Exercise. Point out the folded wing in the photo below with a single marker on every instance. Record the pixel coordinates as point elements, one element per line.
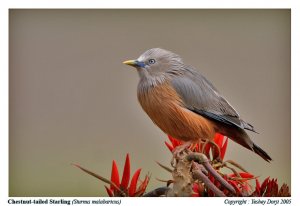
<point>201,97</point>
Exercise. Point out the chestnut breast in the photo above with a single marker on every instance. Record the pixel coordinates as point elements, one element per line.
<point>166,109</point>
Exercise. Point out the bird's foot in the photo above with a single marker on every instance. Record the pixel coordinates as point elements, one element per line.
<point>178,152</point>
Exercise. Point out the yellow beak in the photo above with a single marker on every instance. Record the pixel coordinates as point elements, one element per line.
<point>130,62</point>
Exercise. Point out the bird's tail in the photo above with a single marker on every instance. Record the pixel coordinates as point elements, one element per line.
<point>261,153</point>
<point>242,138</point>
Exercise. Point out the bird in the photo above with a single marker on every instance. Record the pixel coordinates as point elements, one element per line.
<point>184,104</point>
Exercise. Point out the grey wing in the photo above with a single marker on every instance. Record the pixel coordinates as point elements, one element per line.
<point>201,97</point>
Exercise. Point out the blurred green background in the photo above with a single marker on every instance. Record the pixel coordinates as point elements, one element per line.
<point>73,101</point>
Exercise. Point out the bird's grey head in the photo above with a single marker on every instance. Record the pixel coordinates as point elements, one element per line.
<point>155,63</point>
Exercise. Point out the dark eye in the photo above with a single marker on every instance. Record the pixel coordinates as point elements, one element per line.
<point>151,61</point>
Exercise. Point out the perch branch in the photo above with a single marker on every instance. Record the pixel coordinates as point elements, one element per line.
<point>202,159</point>
<point>158,192</point>
<point>197,174</point>
<point>164,167</point>
<point>236,165</point>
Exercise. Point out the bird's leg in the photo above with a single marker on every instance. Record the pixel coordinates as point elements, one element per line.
<point>178,150</point>
<point>201,145</point>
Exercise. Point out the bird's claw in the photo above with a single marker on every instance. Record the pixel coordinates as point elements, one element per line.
<point>178,153</point>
